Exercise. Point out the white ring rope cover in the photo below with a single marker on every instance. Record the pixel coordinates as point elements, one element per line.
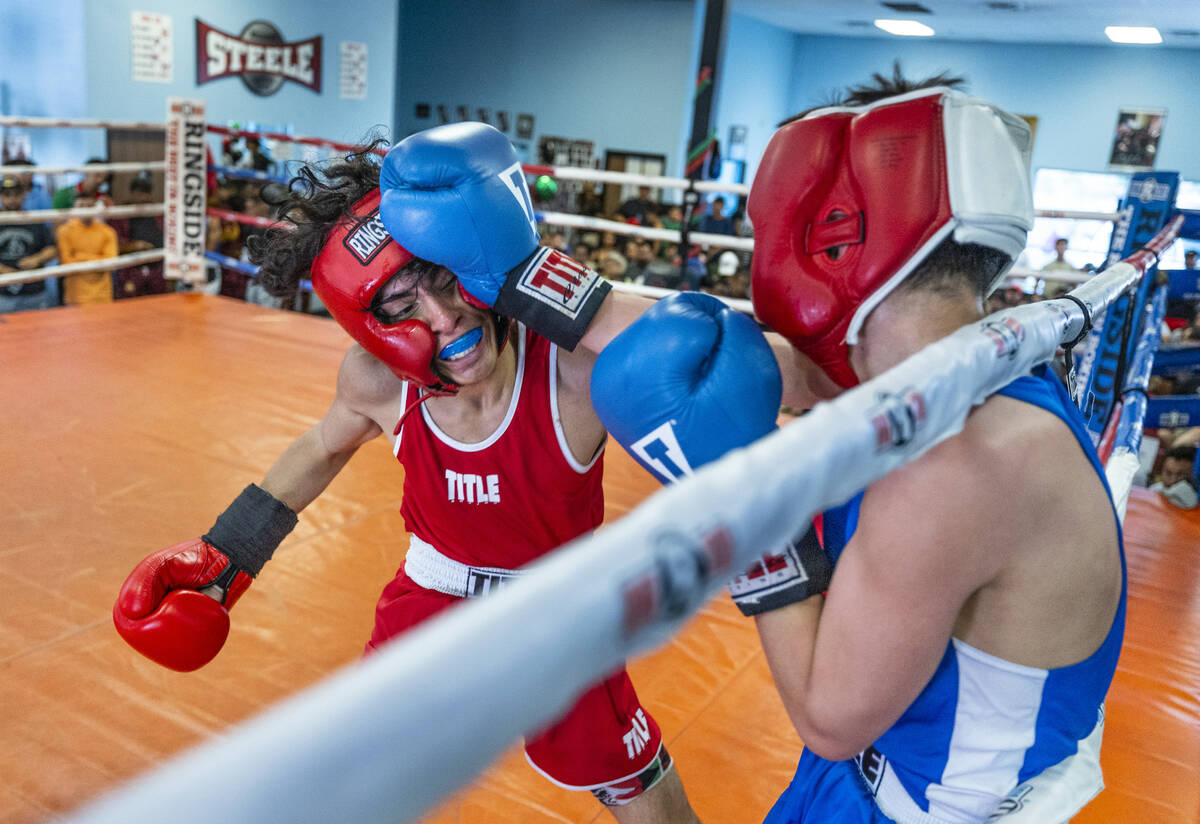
<point>330,753</point>
<point>60,215</point>
<point>106,264</point>
<point>124,166</point>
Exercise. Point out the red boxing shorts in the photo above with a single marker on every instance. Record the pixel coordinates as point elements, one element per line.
<point>607,743</point>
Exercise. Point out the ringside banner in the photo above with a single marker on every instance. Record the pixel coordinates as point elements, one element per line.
<point>186,193</point>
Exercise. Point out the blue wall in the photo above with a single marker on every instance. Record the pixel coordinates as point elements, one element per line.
<point>113,94</point>
<point>617,72</point>
<point>42,74</point>
<point>1075,91</point>
<point>756,84</point>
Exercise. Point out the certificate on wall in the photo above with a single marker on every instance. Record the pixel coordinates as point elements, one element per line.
<point>152,47</point>
<point>1135,140</point>
<point>352,70</point>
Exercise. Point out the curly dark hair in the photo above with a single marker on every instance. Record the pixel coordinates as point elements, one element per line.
<point>309,206</point>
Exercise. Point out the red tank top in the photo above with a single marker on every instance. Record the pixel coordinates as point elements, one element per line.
<point>506,500</point>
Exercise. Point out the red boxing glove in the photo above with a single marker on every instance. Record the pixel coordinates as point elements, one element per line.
<point>162,614</point>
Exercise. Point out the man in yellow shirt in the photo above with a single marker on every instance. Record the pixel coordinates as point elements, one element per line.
<point>84,239</point>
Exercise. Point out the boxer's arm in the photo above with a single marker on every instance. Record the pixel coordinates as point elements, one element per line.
<point>929,536</point>
<point>312,461</point>
<point>618,310</point>
<point>581,425</point>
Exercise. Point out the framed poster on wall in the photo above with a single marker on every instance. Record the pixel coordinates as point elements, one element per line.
<point>1135,139</point>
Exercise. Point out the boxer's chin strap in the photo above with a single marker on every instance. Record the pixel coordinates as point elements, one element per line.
<point>441,390</point>
<point>429,393</point>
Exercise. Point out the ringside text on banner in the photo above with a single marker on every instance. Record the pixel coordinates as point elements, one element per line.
<point>186,191</point>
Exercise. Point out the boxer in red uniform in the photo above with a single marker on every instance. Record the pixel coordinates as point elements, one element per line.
<point>502,454</point>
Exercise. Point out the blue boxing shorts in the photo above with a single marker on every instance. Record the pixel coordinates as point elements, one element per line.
<point>826,792</point>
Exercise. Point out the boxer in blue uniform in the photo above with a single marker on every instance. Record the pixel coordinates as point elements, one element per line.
<point>955,667</point>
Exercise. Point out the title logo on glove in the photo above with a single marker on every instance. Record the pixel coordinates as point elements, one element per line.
<point>558,281</point>
<point>259,56</point>
<point>659,450</point>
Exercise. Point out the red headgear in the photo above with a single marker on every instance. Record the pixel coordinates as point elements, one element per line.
<point>359,256</point>
<point>848,201</point>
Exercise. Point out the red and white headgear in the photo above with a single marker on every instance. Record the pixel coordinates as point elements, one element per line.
<point>849,200</point>
<point>359,256</point>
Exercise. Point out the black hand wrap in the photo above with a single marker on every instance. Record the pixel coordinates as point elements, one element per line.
<point>801,571</point>
<point>251,528</point>
<point>554,295</point>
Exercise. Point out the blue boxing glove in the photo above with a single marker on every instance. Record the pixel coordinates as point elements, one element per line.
<point>687,382</point>
<point>456,195</point>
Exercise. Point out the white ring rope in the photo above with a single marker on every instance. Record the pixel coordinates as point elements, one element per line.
<point>740,304</point>
<point>1058,275</point>
<point>77,123</point>
<point>673,235</point>
<point>1069,215</point>
<point>331,751</point>
<point>130,166</point>
<point>103,265</point>
<point>633,179</point>
<point>59,215</point>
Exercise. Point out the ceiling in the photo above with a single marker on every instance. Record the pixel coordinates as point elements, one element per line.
<point>1010,21</point>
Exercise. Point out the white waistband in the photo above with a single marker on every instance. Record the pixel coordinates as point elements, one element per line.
<point>433,570</point>
<point>1053,796</point>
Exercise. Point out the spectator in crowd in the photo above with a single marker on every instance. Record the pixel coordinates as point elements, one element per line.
<point>557,240</point>
<point>590,203</point>
<point>583,253</point>
<point>1014,295</point>
<point>1188,436</point>
<point>1189,259</point>
<point>139,234</point>
<point>1060,262</point>
<point>257,157</point>
<point>640,255</point>
<point>739,284</point>
<point>1176,479</point>
<point>634,210</point>
<point>83,239</point>
<point>608,243</point>
<point>23,247</point>
<point>673,219</point>
<point>613,266</point>
<point>1190,330</point>
<point>96,184</point>
<point>727,264</point>
<point>36,196</point>
<point>246,153</point>
<point>716,221</point>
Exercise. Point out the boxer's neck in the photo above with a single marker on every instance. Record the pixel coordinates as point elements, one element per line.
<point>905,323</point>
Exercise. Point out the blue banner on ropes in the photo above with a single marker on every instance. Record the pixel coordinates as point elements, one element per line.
<point>1176,358</point>
<point>1173,411</point>
<point>1133,411</point>
<point>1191,224</point>
<point>1184,284</point>
<point>1143,211</point>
